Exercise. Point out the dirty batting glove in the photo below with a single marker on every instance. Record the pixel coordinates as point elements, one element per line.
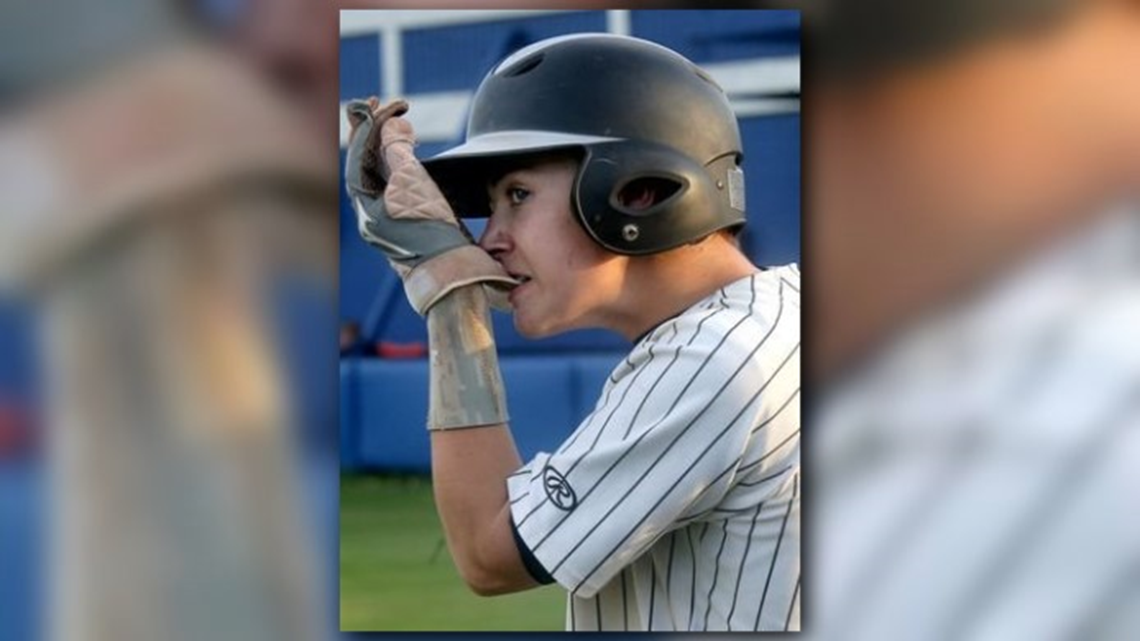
<point>400,210</point>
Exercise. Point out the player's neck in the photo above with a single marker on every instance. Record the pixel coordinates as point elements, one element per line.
<point>661,287</point>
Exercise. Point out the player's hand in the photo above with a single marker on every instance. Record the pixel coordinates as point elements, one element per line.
<point>401,210</point>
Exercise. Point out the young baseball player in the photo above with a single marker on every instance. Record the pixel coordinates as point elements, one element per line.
<point>609,168</point>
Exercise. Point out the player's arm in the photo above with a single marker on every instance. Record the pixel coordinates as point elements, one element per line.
<point>470,465</point>
<point>448,279</point>
<point>469,477</point>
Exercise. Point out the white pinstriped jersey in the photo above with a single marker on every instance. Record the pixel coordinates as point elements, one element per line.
<point>675,504</point>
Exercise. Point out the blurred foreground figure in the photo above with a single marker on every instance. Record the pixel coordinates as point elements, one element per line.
<point>976,309</point>
<point>158,200</point>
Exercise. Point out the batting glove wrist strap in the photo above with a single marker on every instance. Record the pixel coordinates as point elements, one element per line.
<point>466,386</point>
<point>400,210</point>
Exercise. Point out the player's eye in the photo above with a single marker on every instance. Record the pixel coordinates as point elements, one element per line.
<point>517,195</point>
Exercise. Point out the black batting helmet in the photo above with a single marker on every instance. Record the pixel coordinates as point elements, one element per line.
<point>634,110</point>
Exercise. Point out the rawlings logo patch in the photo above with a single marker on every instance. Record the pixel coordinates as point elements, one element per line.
<point>558,489</point>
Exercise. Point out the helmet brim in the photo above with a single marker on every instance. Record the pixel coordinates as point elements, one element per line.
<point>516,142</point>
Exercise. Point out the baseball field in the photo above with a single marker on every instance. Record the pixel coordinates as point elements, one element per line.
<point>396,575</point>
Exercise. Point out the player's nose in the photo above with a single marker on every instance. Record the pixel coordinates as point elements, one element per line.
<point>495,239</point>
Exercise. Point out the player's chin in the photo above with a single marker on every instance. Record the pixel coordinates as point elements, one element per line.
<point>531,330</point>
<point>532,325</point>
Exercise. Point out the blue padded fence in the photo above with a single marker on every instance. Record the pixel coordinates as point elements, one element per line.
<point>384,405</point>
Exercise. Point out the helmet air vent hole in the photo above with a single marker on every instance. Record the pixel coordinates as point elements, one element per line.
<point>630,232</point>
<point>703,75</point>
<point>523,66</point>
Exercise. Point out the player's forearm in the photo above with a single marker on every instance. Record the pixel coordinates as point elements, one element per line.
<point>469,470</point>
<point>472,449</point>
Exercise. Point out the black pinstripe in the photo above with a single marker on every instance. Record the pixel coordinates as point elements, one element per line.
<point>779,409</point>
<point>624,603</point>
<point>767,478</point>
<point>692,559</point>
<point>745,468</point>
<point>716,573</point>
<point>614,376</point>
<point>776,554</point>
<point>743,562</point>
<point>701,324</point>
<point>723,511</point>
<point>792,605</point>
<point>716,479</point>
<point>645,398</point>
<point>577,433</point>
<point>653,585</point>
<point>598,409</point>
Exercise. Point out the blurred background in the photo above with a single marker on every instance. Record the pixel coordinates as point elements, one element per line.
<point>169,434</point>
<point>168,463</point>
<point>972,253</point>
<point>435,59</point>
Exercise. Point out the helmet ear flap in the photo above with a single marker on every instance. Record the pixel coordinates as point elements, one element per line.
<point>688,204</point>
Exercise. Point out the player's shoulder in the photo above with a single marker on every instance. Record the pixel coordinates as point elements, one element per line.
<point>759,312</point>
<point>780,284</point>
<point>758,307</point>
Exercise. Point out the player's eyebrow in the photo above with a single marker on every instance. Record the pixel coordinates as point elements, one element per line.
<point>505,178</point>
<point>494,181</point>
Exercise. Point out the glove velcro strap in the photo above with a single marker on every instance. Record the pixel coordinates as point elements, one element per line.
<point>466,385</point>
<point>433,279</point>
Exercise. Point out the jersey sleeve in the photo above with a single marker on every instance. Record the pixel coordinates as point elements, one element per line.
<point>659,449</point>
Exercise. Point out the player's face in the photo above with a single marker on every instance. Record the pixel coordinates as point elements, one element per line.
<point>569,282</point>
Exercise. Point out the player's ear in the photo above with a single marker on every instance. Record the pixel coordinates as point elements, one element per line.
<point>644,193</point>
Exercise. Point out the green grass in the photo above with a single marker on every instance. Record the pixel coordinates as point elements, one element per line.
<point>396,574</point>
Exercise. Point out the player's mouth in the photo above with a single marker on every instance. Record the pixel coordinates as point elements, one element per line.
<point>522,280</point>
